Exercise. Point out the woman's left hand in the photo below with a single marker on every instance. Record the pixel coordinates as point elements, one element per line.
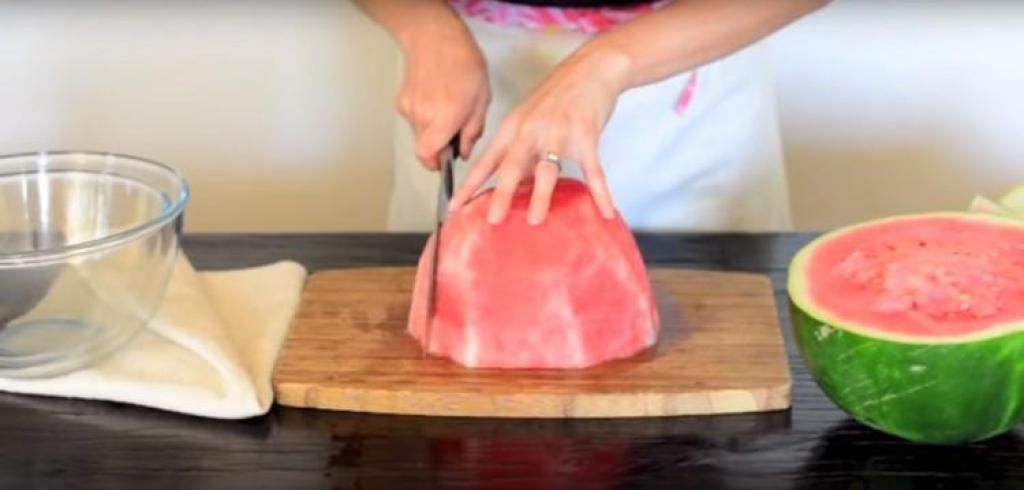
<point>565,115</point>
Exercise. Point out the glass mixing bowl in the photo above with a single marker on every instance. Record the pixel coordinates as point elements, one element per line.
<point>88,242</point>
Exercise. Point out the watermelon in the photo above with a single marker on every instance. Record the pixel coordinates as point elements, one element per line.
<point>572,292</point>
<point>914,324</point>
<point>1014,201</point>
<point>982,204</point>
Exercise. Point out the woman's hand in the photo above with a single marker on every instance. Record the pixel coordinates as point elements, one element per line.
<point>565,115</point>
<point>445,88</point>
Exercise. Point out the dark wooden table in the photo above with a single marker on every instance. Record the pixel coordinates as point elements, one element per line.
<point>69,443</point>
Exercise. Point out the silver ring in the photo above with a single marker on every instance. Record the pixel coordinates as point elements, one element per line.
<point>550,156</point>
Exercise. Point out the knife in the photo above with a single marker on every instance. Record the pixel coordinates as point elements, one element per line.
<point>445,189</point>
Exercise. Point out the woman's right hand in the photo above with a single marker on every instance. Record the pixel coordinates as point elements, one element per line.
<point>445,87</point>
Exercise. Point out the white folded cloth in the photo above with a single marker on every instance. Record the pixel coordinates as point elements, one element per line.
<point>209,350</point>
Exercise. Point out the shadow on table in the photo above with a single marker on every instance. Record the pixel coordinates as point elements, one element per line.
<point>852,455</point>
<point>517,453</point>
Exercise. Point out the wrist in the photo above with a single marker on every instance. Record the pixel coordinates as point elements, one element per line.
<point>610,64</point>
<point>431,25</point>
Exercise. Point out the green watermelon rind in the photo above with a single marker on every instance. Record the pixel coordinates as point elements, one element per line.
<point>1013,201</point>
<point>938,390</point>
<point>798,286</point>
<point>928,393</point>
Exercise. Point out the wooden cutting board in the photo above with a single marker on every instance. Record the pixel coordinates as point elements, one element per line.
<point>720,351</point>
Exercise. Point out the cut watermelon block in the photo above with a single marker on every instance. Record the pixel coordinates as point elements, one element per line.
<point>570,293</point>
<point>1011,204</point>
<point>914,325</point>
<point>982,204</point>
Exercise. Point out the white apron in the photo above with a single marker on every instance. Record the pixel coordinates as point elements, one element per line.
<point>717,166</point>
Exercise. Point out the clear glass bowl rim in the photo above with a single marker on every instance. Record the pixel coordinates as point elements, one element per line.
<point>51,255</point>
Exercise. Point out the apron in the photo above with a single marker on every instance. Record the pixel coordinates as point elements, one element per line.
<point>696,152</point>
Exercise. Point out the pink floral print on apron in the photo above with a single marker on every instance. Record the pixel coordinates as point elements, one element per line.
<point>591,20</point>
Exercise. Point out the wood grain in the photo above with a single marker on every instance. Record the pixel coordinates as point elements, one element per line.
<point>721,351</point>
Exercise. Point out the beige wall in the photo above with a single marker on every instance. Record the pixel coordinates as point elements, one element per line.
<point>280,113</point>
<point>901,106</point>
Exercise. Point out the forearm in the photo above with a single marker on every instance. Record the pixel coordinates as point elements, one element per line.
<point>412,21</point>
<point>686,34</point>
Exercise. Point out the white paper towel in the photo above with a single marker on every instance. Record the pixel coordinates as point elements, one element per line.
<point>209,350</point>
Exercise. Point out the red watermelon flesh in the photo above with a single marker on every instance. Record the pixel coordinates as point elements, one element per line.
<point>937,276</point>
<point>569,293</point>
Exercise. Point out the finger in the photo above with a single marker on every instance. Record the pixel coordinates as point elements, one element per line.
<point>545,176</point>
<point>405,109</point>
<point>419,124</point>
<point>594,174</point>
<point>483,169</point>
<point>435,135</point>
<point>513,166</point>
<point>403,104</point>
<point>473,129</point>
<point>419,115</point>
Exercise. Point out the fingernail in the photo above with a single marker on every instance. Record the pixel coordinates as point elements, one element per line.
<point>492,217</point>
<point>533,220</point>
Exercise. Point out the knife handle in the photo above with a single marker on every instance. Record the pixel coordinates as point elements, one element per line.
<point>455,143</point>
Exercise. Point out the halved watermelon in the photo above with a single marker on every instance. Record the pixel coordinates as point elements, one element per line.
<point>914,324</point>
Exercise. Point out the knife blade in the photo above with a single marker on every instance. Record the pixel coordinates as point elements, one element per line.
<point>445,189</point>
